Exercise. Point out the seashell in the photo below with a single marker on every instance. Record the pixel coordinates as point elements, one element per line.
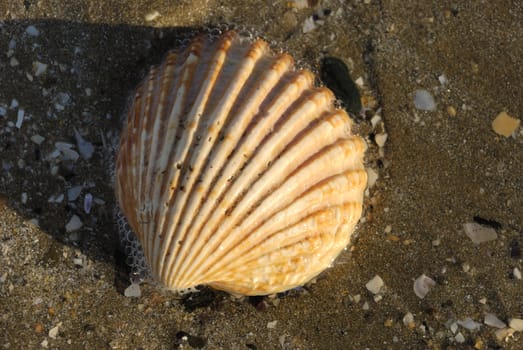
<point>235,171</point>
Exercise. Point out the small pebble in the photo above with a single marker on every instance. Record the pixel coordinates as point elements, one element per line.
<point>74,224</point>
<point>372,177</point>
<point>272,324</point>
<point>32,31</point>
<point>451,111</point>
<point>479,233</point>
<point>424,101</point>
<point>443,79</point>
<point>38,139</point>
<point>504,334</point>
<point>88,202</point>
<point>459,338</point>
<point>133,291</point>
<point>19,118</point>
<point>53,332</point>
<point>504,124</point>
<point>39,68</point>
<point>365,306</point>
<point>308,25</point>
<point>516,324</point>
<point>73,193</point>
<point>493,321</point>
<point>39,328</point>
<point>3,111</point>
<point>517,273</point>
<point>13,62</point>
<point>24,197</point>
<point>422,285</point>
<point>408,319</point>
<point>381,139</point>
<point>375,284</point>
<point>78,262</point>
<point>85,148</point>
<point>375,120</point>
<point>469,324</point>
<point>151,16</point>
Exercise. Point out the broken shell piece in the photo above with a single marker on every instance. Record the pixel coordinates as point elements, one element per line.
<point>375,284</point>
<point>479,233</point>
<point>504,124</point>
<point>493,321</point>
<point>73,224</point>
<point>235,171</point>
<point>422,286</point>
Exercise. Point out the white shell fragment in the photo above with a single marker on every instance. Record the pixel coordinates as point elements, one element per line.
<point>73,224</point>
<point>422,285</point>
<point>235,171</point>
<point>424,101</point>
<point>516,324</point>
<point>469,324</point>
<point>493,321</point>
<point>375,284</point>
<point>479,233</point>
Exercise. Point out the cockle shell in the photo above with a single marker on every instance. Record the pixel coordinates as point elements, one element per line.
<point>235,171</point>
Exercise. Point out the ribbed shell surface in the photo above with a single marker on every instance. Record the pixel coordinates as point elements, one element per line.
<point>235,171</point>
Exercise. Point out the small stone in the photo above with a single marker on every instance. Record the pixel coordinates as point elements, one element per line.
<point>451,111</point>
<point>74,224</point>
<point>272,324</point>
<point>38,139</point>
<point>3,111</point>
<point>365,306</point>
<point>23,198</point>
<point>483,301</point>
<point>443,79</point>
<point>380,139</point>
<point>39,68</point>
<point>85,148</point>
<point>44,343</point>
<point>14,103</point>
<point>479,233</point>
<point>454,327</point>
<point>375,120</point>
<point>504,334</point>
<point>516,324</point>
<point>78,262</point>
<point>493,321</point>
<point>388,229</point>
<point>424,101</point>
<point>517,273</point>
<point>375,284</point>
<point>504,124</point>
<point>88,202</point>
<point>459,338</point>
<point>469,324</point>
<point>308,25</point>
<point>151,16</point>
<point>19,118</point>
<point>32,31</point>
<point>408,319</point>
<point>289,21</point>
<point>53,332</point>
<point>372,177</point>
<point>73,193</point>
<point>422,285</point>
<point>13,62</point>
<point>133,291</point>
<point>39,328</point>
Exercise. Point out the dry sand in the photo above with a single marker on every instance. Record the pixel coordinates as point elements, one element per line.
<point>437,171</point>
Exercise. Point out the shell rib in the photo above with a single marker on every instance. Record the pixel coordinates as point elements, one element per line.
<point>235,171</point>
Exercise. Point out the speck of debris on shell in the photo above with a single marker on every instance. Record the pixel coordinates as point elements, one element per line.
<point>73,224</point>
<point>493,321</point>
<point>375,284</point>
<point>38,139</point>
<point>504,124</point>
<point>517,273</point>
<point>424,101</point>
<point>516,324</point>
<point>19,118</point>
<point>272,324</point>
<point>133,291</point>
<point>32,31</point>
<point>479,233</point>
<point>422,285</point>
<point>151,16</point>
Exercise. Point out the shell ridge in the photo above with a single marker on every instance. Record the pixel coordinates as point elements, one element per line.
<point>319,196</point>
<point>212,126</point>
